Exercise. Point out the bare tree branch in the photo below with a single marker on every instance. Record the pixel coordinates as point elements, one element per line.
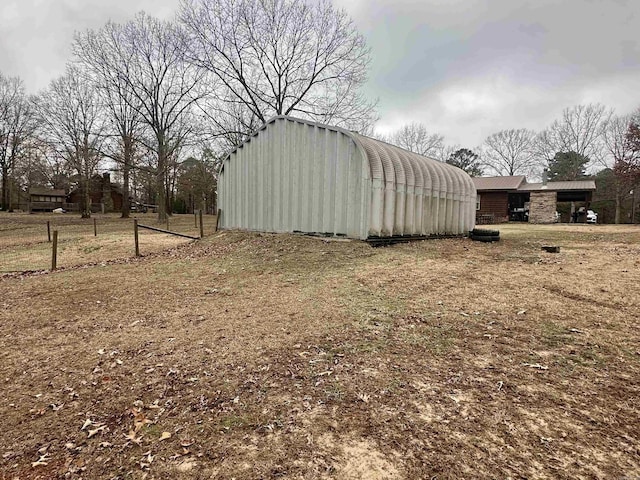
<point>510,152</point>
<point>579,130</point>
<point>70,112</point>
<point>280,57</point>
<point>143,62</point>
<point>416,138</point>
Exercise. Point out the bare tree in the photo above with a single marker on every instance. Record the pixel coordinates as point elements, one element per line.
<point>99,51</point>
<point>579,130</point>
<point>620,151</point>
<point>416,138</point>
<point>16,127</point>
<point>146,58</point>
<point>510,152</point>
<point>70,113</point>
<point>279,57</point>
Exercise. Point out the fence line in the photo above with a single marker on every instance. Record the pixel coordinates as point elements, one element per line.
<point>26,239</point>
<point>168,232</point>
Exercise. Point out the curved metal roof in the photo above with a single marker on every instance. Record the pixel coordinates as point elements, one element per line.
<point>390,163</point>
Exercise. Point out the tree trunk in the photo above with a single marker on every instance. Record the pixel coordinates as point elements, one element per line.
<point>86,180</point>
<point>160,182</point>
<point>618,204</point>
<point>5,187</point>
<point>633,203</point>
<point>126,205</point>
<point>86,197</point>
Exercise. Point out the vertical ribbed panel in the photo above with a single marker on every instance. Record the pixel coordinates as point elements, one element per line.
<point>296,175</point>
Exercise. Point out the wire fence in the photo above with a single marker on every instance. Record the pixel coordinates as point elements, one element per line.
<point>27,240</point>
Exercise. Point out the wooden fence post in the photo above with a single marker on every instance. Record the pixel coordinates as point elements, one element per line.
<point>201,225</point>
<point>54,251</point>
<point>168,223</point>
<point>48,231</point>
<point>135,236</point>
<point>218,219</point>
<point>95,228</point>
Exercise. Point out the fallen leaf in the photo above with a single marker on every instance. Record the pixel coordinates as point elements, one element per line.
<point>101,351</point>
<point>521,312</point>
<point>165,436</point>
<point>132,437</point>
<point>536,365</point>
<point>186,466</point>
<point>86,423</point>
<point>95,431</point>
<point>43,460</point>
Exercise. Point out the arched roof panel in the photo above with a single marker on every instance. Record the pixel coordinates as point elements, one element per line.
<point>399,178</point>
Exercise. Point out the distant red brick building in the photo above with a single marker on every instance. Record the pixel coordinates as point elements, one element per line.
<point>103,193</point>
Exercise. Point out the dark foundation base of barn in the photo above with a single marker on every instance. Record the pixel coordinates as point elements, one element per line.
<point>385,241</point>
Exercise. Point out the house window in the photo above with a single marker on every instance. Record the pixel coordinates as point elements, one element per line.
<point>477,202</point>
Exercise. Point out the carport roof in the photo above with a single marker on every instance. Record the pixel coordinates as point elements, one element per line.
<point>559,186</point>
<point>519,183</point>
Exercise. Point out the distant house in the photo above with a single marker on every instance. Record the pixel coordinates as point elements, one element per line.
<point>105,195</point>
<point>43,199</point>
<point>504,199</point>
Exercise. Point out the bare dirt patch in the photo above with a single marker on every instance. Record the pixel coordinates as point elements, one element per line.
<point>279,356</point>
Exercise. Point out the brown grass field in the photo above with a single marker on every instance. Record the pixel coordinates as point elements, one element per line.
<point>255,356</point>
<point>24,242</point>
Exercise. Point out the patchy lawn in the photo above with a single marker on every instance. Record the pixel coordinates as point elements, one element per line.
<point>277,356</point>
<point>25,246</point>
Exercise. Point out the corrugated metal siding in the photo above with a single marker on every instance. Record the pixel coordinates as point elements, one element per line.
<point>295,175</point>
<point>416,195</point>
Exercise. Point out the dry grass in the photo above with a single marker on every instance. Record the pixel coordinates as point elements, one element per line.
<point>24,244</point>
<point>277,356</point>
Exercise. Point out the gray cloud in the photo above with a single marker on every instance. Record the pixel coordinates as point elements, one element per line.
<point>470,68</point>
<point>466,68</point>
<point>36,35</point>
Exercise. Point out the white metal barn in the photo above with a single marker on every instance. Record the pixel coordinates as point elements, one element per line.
<point>298,176</point>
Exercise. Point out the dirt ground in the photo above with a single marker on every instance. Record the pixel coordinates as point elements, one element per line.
<point>254,356</point>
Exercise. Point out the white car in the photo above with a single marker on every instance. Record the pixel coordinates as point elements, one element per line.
<point>592,217</point>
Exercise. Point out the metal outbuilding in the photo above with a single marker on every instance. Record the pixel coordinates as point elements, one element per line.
<point>295,175</point>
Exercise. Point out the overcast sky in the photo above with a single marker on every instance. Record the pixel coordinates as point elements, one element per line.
<point>465,68</point>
